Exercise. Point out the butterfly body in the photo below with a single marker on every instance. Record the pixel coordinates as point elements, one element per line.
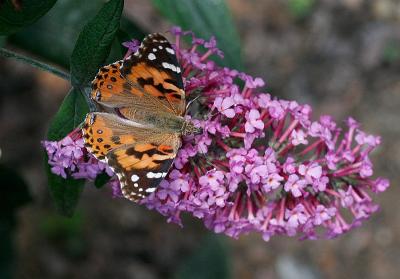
<point>139,118</point>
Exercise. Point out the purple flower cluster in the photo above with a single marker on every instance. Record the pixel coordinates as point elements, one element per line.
<point>69,158</point>
<point>261,163</point>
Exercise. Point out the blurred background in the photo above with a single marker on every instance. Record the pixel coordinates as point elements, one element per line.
<point>342,57</point>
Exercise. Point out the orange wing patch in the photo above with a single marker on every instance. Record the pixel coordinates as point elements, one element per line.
<point>99,138</point>
<point>158,84</point>
<point>110,88</point>
<point>142,156</point>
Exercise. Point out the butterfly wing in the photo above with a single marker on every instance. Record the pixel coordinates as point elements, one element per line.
<point>112,91</point>
<point>141,167</point>
<point>156,69</point>
<point>150,79</point>
<point>146,83</point>
<point>139,155</point>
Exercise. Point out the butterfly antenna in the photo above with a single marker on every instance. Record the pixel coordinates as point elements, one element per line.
<point>192,101</point>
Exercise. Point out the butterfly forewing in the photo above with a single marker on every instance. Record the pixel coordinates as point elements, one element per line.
<point>155,68</point>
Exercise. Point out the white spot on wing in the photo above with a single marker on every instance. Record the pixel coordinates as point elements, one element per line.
<point>151,56</point>
<point>134,178</point>
<point>171,67</point>
<point>170,50</point>
<point>150,190</point>
<point>156,175</point>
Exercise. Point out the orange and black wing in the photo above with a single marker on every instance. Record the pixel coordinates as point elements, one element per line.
<point>139,155</point>
<point>155,68</point>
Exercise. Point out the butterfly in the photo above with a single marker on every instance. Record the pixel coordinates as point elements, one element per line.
<point>138,121</point>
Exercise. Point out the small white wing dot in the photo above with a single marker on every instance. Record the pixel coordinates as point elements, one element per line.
<point>134,178</point>
<point>170,50</point>
<point>151,56</point>
<point>150,190</point>
<point>150,175</point>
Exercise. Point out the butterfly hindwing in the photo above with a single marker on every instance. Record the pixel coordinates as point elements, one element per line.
<point>155,68</point>
<point>140,168</point>
<point>131,150</point>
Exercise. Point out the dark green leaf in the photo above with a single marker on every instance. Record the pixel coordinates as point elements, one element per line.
<point>206,18</point>
<point>67,18</point>
<point>101,180</point>
<point>13,18</point>
<point>34,63</point>
<point>7,255</point>
<point>65,192</point>
<point>14,192</point>
<point>211,260</point>
<point>300,9</point>
<point>131,30</point>
<point>94,43</point>
<point>71,113</point>
<point>2,40</point>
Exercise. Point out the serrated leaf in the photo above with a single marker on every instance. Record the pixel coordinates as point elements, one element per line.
<point>206,18</point>
<point>94,43</point>
<point>211,260</point>
<point>70,114</point>
<point>14,17</point>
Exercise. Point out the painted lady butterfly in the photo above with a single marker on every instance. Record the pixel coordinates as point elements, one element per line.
<point>138,123</point>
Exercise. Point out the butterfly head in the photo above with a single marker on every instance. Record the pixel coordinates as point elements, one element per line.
<point>188,128</point>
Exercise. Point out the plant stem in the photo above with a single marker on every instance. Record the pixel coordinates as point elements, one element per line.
<point>35,63</point>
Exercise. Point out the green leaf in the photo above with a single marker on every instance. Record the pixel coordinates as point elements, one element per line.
<point>67,18</point>
<point>13,18</point>
<point>65,192</point>
<point>101,180</point>
<point>3,40</point>
<point>94,43</point>
<point>34,63</point>
<point>211,260</point>
<point>300,9</point>
<point>14,193</point>
<point>70,114</point>
<point>206,18</point>
<point>7,254</point>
